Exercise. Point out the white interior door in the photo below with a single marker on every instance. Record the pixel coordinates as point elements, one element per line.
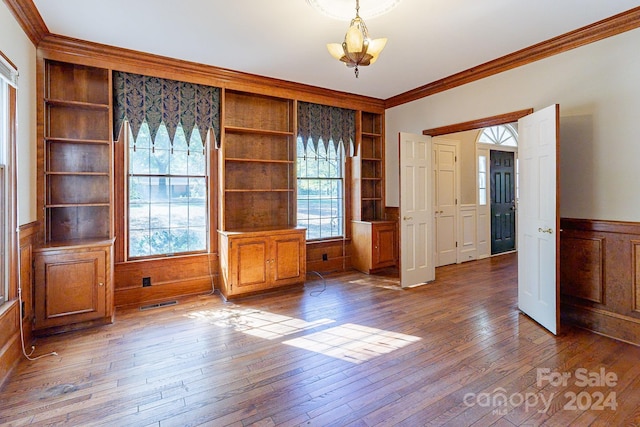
<point>538,218</point>
<point>416,216</point>
<point>445,156</point>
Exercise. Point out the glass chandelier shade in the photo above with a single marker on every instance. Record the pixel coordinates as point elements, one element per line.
<point>357,49</point>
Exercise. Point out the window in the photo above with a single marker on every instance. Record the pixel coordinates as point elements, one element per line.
<point>482,180</point>
<point>320,189</point>
<point>504,135</point>
<point>4,228</point>
<point>8,84</point>
<point>168,195</point>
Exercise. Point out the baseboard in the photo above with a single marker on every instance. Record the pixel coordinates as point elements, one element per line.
<point>612,325</point>
<point>140,296</point>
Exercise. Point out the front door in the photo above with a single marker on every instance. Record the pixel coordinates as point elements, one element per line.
<point>416,217</point>
<point>503,202</point>
<point>538,218</point>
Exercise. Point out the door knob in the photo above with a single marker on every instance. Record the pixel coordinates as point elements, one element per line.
<point>545,230</point>
<point>407,218</point>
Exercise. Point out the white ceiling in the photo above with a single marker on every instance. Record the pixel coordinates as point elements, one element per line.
<point>285,39</point>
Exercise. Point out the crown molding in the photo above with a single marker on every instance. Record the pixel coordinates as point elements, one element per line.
<point>600,30</point>
<point>29,19</point>
<point>63,48</point>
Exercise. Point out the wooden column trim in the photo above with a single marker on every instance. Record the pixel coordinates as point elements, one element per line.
<point>478,123</point>
<point>600,30</point>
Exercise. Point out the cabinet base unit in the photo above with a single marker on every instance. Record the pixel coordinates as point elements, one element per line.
<point>256,261</point>
<point>73,286</point>
<point>375,245</point>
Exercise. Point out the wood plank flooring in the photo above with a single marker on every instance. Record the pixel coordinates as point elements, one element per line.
<point>361,353</point>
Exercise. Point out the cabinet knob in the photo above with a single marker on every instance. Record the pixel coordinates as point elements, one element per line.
<point>101,284</point>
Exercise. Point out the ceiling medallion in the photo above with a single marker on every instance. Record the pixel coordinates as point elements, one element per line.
<point>343,9</point>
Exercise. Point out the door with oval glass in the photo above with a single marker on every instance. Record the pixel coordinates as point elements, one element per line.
<point>503,202</point>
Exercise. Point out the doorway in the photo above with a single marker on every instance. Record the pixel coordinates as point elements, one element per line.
<point>503,202</point>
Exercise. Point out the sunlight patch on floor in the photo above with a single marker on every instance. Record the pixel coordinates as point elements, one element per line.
<point>353,343</point>
<point>257,323</point>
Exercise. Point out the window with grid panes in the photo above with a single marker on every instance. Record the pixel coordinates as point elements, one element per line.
<point>320,189</point>
<point>168,197</point>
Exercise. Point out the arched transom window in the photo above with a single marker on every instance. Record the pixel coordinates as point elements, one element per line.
<point>504,135</point>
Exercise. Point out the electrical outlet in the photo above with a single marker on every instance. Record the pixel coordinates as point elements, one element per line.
<point>325,257</point>
<point>146,281</point>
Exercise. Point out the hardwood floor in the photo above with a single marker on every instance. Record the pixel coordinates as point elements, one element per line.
<point>361,353</point>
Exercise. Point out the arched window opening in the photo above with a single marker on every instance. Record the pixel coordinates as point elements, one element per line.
<point>505,135</point>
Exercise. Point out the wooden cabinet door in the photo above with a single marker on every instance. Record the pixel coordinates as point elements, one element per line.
<point>248,262</point>
<point>385,252</point>
<point>70,287</point>
<point>288,258</point>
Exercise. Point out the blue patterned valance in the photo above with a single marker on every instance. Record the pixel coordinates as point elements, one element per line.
<point>139,99</point>
<point>327,124</point>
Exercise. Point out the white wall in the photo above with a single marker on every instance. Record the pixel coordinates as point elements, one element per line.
<point>598,89</point>
<point>15,45</point>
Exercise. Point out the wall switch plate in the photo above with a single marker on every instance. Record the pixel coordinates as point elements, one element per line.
<point>146,281</point>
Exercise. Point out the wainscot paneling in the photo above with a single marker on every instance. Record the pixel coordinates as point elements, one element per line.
<point>328,256</point>
<point>10,347</point>
<point>184,275</point>
<point>599,270</point>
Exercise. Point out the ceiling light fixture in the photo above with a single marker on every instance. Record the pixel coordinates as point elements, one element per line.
<point>357,49</point>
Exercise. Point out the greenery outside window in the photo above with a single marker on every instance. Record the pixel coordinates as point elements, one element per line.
<point>168,196</point>
<point>320,189</point>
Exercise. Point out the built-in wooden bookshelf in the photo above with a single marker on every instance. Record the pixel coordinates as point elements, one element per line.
<point>375,240</point>
<point>77,153</point>
<point>257,174</point>
<point>73,266</point>
<point>258,195</point>
<point>368,165</point>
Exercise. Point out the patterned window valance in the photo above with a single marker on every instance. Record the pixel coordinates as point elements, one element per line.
<point>139,99</point>
<point>327,124</point>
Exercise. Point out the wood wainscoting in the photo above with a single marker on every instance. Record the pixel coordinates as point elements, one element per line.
<point>10,346</point>
<point>600,276</point>
<point>170,278</point>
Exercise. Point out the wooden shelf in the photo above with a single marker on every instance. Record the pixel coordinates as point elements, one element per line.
<point>288,162</point>
<point>261,190</point>
<point>77,104</point>
<point>75,205</point>
<point>370,134</point>
<point>78,141</point>
<point>106,174</point>
<point>237,129</point>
